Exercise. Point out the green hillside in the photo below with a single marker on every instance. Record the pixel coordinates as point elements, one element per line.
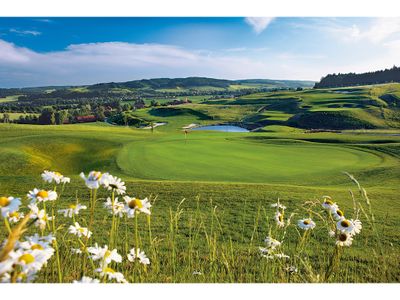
<point>212,191</point>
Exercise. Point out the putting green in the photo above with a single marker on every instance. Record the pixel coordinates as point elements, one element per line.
<point>237,160</point>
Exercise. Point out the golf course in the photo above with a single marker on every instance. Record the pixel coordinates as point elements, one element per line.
<point>212,190</point>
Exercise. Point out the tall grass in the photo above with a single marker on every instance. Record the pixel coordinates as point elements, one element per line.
<point>199,245</point>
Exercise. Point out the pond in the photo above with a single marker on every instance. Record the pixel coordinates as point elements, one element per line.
<point>224,128</point>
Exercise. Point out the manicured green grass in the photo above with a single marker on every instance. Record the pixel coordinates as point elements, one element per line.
<point>218,157</point>
<point>228,181</point>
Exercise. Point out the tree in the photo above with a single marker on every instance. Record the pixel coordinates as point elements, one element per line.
<point>125,118</point>
<point>126,107</point>
<point>86,110</point>
<point>351,79</point>
<point>60,117</point>
<point>47,117</point>
<point>6,118</point>
<point>100,113</point>
<point>154,103</point>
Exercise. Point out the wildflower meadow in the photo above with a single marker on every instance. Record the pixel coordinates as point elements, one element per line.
<point>53,238</point>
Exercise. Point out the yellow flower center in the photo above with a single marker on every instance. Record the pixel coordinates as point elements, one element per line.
<point>109,270</point>
<point>345,223</point>
<point>280,218</point>
<point>57,174</point>
<point>306,222</point>
<point>340,213</point>
<point>135,203</point>
<point>4,201</point>
<point>42,194</point>
<point>342,237</point>
<point>107,254</point>
<point>37,247</point>
<point>97,175</point>
<point>82,230</point>
<point>72,206</point>
<point>27,258</point>
<point>14,214</point>
<point>329,202</point>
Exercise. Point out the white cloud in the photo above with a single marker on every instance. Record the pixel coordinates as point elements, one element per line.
<point>377,31</point>
<point>116,61</point>
<point>382,29</point>
<point>119,61</point>
<point>11,55</point>
<point>259,24</point>
<point>44,20</point>
<point>25,32</point>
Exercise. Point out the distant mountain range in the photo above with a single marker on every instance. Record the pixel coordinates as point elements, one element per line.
<point>182,83</point>
<point>196,82</point>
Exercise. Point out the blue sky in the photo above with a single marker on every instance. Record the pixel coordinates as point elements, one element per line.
<point>74,51</point>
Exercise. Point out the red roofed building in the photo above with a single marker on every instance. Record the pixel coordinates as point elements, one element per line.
<point>86,119</point>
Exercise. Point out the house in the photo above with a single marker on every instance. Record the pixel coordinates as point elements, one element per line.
<point>86,119</point>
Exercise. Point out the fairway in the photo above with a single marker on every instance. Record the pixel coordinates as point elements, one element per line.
<point>224,158</point>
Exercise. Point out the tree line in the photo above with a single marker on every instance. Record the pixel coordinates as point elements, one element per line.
<point>352,79</point>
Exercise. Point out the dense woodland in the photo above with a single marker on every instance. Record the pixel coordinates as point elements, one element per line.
<point>352,79</point>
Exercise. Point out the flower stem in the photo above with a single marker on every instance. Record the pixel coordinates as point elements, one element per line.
<point>7,224</point>
<point>136,235</point>
<point>111,242</point>
<point>56,244</point>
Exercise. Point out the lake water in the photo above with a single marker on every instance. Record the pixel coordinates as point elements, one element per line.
<point>224,128</point>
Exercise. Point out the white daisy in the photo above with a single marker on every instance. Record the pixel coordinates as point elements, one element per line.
<point>73,209</point>
<point>140,255</point>
<point>281,255</point>
<point>306,224</point>
<point>94,179</point>
<point>9,205</point>
<point>76,250</point>
<point>36,242</point>
<point>118,208</point>
<point>31,260</point>
<point>279,219</point>
<point>112,274</point>
<point>291,269</point>
<point>86,279</point>
<point>349,226</point>
<point>265,251</point>
<point>40,215</point>
<point>50,176</point>
<point>79,231</point>
<point>134,204</point>
<point>106,256</point>
<point>337,214</point>
<point>271,242</point>
<point>15,216</point>
<point>331,233</point>
<point>197,273</point>
<point>115,184</point>
<point>37,195</point>
<point>344,239</point>
<point>5,277</point>
<point>278,205</point>
<point>36,238</point>
<point>6,266</point>
<point>329,205</point>
<point>268,256</point>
